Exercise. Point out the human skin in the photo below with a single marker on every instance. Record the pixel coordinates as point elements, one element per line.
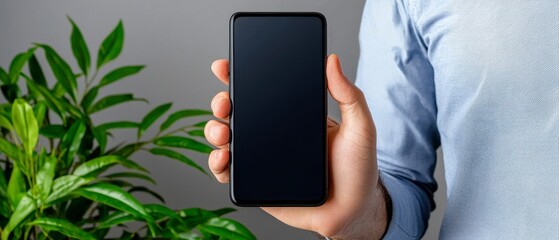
<point>356,207</point>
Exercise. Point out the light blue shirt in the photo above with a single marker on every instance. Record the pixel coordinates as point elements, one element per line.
<point>481,79</point>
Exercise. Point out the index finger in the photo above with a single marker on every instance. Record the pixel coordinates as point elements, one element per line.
<point>220,68</point>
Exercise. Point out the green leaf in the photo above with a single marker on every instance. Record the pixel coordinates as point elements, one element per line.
<point>16,187</point>
<point>203,213</point>
<point>129,149</point>
<point>11,91</point>
<point>227,229</point>
<point>5,209</point>
<point>61,71</point>
<point>17,64</point>
<point>158,209</point>
<point>25,125</point>
<point>36,71</point>
<point>40,110</point>
<point>191,217</point>
<point>177,156</point>
<point>148,191</point>
<point>201,124</point>
<point>3,185</point>
<point>196,133</point>
<point>75,209</point>
<point>4,77</point>
<point>79,48</point>
<point>101,163</point>
<point>62,226</point>
<point>53,131</point>
<point>118,74</point>
<point>111,46</point>
<point>131,175</point>
<point>171,232</point>
<point>51,101</point>
<point>101,233</point>
<point>112,100</point>
<point>132,165</point>
<point>101,136</point>
<point>5,123</point>
<point>182,114</point>
<point>118,124</point>
<point>116,218</point>
<point>58,91</point>
<point>222,211</point>
<point>115,197</point>
<point>152,116</point>
<point>97,165</point>
<point>45,176</point>
<point>61,187</point>
<point>72,140</point>
<point>64,185</point>
<point>183,142</point>
<point>24,208</point>
<point>120,183</point>
<point>89,98</point>
<point>70,108</point>
<point>9,149</point>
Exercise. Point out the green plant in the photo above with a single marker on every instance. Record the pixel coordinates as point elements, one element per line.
<point>54,182</point>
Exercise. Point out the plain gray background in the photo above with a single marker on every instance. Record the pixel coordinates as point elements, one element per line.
<point>177,40</point>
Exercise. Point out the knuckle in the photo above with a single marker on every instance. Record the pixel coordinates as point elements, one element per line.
<point>329,230</point>
<point>360,95</point>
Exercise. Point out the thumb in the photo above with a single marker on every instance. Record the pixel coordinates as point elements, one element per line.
<point>353,107</point>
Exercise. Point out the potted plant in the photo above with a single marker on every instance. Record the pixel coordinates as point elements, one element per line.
<point>54,178</point>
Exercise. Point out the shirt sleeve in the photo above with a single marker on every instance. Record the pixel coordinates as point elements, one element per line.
<point>398,81</point>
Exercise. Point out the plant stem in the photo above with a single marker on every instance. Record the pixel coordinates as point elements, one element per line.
<point>90,81</point>
<point>145,149</point>
<point>90,216</point>
<point>26,234</point>
<point>171,132</point>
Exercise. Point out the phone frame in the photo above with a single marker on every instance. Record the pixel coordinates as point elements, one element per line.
<point>280,203</point>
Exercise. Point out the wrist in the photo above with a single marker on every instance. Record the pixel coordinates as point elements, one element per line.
<point>372,221</point>
<point>387,206</point>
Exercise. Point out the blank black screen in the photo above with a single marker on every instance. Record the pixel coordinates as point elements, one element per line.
<point>278,119</point>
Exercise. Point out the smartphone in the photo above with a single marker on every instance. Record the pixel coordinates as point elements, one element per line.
<point>279,108</point>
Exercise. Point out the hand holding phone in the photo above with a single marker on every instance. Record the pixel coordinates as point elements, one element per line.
<point>355,207</point>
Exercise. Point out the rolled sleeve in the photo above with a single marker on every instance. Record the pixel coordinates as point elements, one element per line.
<point>409,204</point>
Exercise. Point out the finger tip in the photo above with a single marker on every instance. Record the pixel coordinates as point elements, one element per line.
<point>333,56</point>
<point>218,67</point>
<point>214,65</point>
<point>218,161</point>
<point>213,161</point>
<point>218,113</point>
<point>221,106</point>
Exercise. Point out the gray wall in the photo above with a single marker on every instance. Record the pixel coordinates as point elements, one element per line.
<point>177,40</point>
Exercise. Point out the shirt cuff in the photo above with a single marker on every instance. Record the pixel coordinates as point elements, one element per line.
<point>409,212</point>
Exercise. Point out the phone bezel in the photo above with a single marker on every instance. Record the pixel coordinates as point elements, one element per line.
<point>283,203</point>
